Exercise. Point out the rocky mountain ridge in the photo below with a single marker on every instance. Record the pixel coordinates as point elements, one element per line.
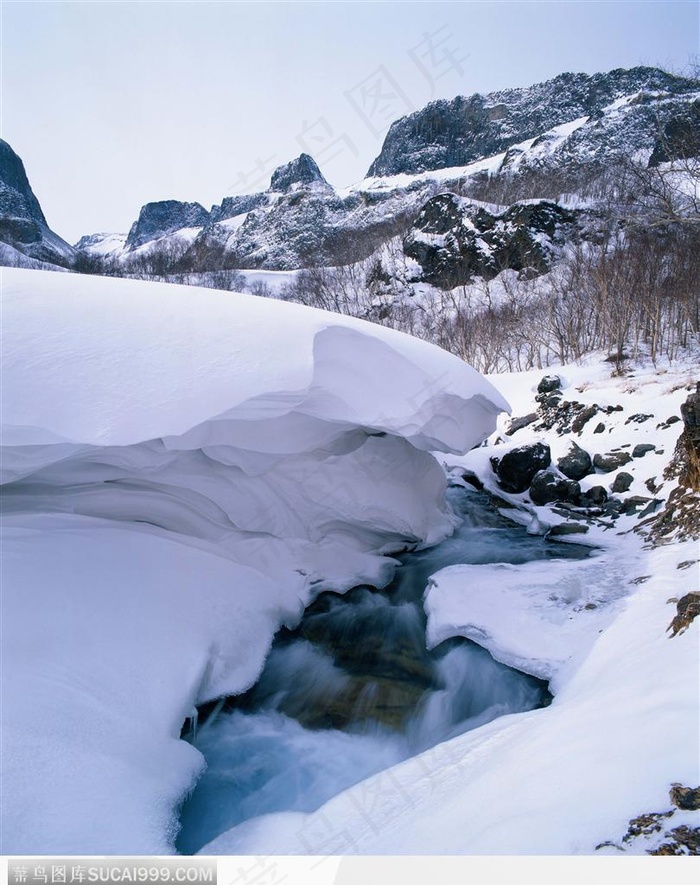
<point>458,132</point>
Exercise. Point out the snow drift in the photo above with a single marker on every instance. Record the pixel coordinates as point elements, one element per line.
<point>183,471</point>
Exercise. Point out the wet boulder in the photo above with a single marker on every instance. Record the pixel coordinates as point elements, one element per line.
<point>518,467</point>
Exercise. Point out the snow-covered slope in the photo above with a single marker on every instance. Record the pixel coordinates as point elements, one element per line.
<point>184,470</point>
<point>101,244</point>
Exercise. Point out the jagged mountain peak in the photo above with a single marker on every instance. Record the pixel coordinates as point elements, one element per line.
<point>23,226</point>
<point>303,170</point>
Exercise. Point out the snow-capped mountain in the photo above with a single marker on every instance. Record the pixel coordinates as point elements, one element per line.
<point>25,238</point>
<point>301,220</point>
<point>545,141</point>
<point>559,133</point>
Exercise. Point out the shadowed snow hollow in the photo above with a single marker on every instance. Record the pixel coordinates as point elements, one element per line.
<point>184,470</point>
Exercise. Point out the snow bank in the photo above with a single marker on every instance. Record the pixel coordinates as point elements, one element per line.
<point>184,469</point>
<point>535,617</point>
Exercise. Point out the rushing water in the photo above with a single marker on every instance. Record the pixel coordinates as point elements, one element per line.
<point>353,689</point>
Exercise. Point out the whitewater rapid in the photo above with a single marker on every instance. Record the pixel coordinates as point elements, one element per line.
<point>353,690</point>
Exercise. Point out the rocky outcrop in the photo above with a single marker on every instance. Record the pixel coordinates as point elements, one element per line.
<point>663,833</point>
<point>159,219</point>
<point>679,138</point>
<point>686,798</point>
<point>23,226</point>
<point>455,239</point>
<point>687,609</point>
<point>681,515</point>
<point>301,221</point>
<point>232,207</point>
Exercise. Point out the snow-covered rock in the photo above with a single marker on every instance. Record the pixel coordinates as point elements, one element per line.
<point>535,617</point>
<point>455,239</point>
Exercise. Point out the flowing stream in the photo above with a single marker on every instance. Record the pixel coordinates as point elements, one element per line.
<point>353,690</point>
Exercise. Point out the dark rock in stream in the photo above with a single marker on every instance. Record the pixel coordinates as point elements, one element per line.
<point>518,467</point>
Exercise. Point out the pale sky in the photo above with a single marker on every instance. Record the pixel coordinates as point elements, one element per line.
<point>115,104</point>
